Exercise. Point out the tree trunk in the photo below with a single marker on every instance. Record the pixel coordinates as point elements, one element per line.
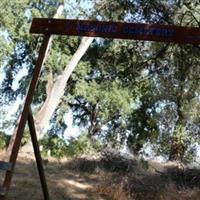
<point>55,90</point>
<point>58,13</point>
<point>177,147</point>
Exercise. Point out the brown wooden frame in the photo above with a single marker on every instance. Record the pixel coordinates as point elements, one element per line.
<point>132,31</point>
<point>48,27</point>
<point>27,116</point>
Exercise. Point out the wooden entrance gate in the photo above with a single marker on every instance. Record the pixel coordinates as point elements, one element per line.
<point>49,27</point>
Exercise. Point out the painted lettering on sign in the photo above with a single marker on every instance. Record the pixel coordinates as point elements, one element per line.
<point>192,38</point>
<point>157,32</point>
<point>136,31</point>
<point>105,28</point>
<point>133,31</point>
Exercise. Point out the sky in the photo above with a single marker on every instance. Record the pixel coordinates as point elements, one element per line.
<point>72,8</point>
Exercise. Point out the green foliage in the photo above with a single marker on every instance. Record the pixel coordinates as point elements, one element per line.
<point>4,140</point>
<point>163,77</point>
<point>181,146</point>
<point>108,93</point>
<point>82,145</point>
<point>56,145</point>
<point>26,137</point>
<point>59,147</point>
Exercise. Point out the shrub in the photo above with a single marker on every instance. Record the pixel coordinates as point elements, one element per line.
<point>59,147</point>
<point>83,145</point>
<point>55,144</point>
<point>4,140</point>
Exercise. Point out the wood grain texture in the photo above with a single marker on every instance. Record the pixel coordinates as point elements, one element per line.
<point>133,31</point>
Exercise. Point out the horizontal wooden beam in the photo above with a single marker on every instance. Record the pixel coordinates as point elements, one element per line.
<point>133,31</point>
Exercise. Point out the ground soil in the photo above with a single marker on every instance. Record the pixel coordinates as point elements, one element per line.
<point>103,178</point>
<point>63,183</point>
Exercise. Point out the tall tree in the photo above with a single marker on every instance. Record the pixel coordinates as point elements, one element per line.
<point>133,91</point>
<point>54,82</point>
<point>55,88</point>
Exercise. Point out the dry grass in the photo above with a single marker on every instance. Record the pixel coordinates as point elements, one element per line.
<point>158,182</point>
<point>63,184</point>
<point>100,179</point>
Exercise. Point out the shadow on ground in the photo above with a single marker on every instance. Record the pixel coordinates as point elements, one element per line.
<point>102,178</point>
<point>63,184</point>
<point>141,180</point>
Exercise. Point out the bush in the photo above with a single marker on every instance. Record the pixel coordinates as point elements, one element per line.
<point>56,145</point>
<point>4,140</point>
<point>82,145</point>
<point>73,147</point>
<point>26,137</point>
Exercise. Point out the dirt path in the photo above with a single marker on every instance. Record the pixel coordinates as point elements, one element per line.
<point>63,183</point>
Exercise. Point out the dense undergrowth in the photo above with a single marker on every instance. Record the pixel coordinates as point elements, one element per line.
<point>123,177</point>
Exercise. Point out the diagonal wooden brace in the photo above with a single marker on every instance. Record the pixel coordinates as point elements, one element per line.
<point>16,140</point>
<point>37,154</point>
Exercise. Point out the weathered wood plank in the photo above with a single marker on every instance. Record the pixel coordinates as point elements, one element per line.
<point>136,31</point>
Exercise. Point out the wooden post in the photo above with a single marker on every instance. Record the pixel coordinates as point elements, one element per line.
<point>15,144</point>
<point>37,154</point>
